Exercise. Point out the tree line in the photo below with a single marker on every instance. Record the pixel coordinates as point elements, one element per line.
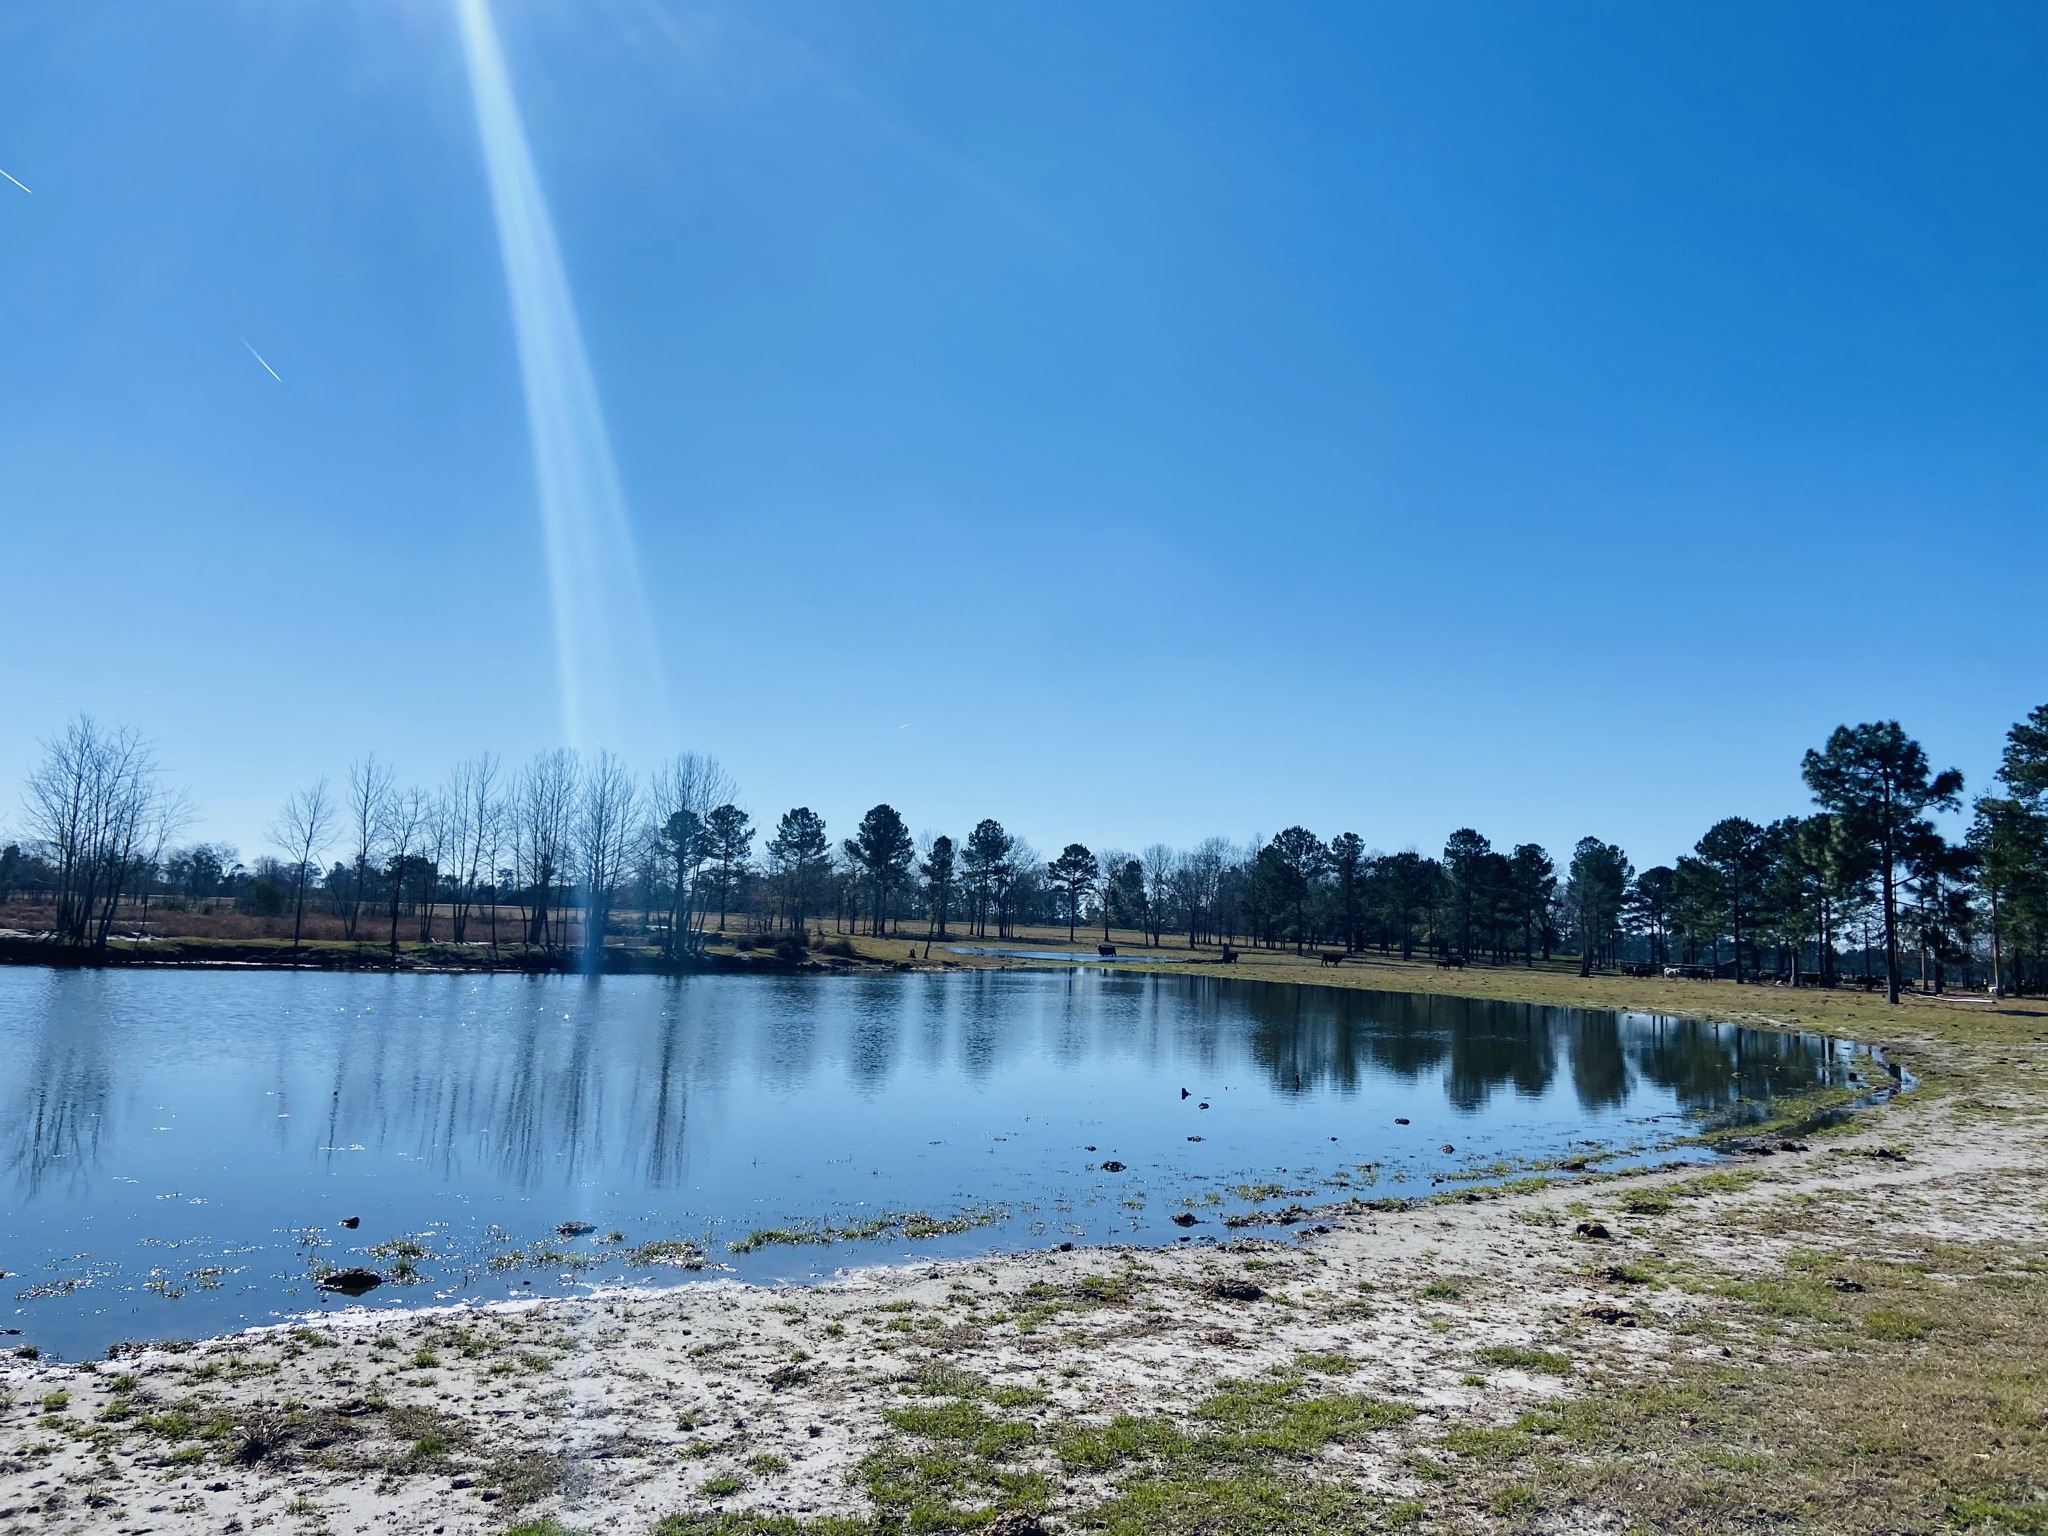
<point>568,852</point>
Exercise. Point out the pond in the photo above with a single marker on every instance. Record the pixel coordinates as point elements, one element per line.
<point>182,1147</point>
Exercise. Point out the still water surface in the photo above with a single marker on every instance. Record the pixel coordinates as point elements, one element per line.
<point>181,1146</point>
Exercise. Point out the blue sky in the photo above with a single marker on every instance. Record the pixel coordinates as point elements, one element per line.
<point>1134,422</point>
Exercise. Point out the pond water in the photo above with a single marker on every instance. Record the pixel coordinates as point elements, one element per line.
<point>182,1146</point>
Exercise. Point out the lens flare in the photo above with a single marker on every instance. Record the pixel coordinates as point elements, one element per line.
<point>604,649</point>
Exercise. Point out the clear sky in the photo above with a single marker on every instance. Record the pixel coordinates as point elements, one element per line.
<point>1135,422</point>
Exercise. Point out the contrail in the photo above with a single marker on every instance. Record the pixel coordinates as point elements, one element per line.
<point>610,682</point>
<point>242,339</point>
<point>18,183</point>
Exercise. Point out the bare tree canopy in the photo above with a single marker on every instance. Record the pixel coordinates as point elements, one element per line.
<point>98,805</point>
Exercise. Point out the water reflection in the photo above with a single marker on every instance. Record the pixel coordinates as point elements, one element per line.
<point>57,1096</point>
<point>219,1110</point>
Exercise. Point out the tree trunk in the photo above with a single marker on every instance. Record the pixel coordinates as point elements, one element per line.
<point>1997,973</point>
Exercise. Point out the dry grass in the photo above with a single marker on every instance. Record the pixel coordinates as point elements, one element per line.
<point>1916,1402</point>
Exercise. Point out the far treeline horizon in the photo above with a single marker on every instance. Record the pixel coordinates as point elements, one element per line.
<point>569,853</point>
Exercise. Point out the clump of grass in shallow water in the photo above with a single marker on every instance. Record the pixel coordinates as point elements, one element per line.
<point>680,1252</point>
<point>913,1225</point>
<point>544,1255</point>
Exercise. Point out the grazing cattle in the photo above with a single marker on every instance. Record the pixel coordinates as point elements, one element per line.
<point>1229,955</point>
<point>1105,949</point>
<point>1451,963</point>
<point>1333,957</point>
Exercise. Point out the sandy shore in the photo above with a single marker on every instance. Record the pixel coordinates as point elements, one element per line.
<point>611,1412</point>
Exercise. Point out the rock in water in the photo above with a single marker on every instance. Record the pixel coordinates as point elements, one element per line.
<point>350,1282</point>
<point>351,1222</point>
<point>1185,1218</point>
<point>1112,1166</point>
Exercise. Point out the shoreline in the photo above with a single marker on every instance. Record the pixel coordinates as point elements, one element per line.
<point>1834,1010</point>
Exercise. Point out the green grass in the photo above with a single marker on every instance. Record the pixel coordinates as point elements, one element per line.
<point>1514,1358</point>
<point>1241,1468</point>
<point>911,1225</point>
<point>749,1522</point>
<point>669,1250</point>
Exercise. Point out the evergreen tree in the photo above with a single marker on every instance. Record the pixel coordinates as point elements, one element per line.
<point>1649,908</point>
<point>1464,850</point>
<point>937,870</point>
<point>1073,875</point>
<point>1875,779</point>
<point>986,862</point>
<point>1734,849</point>
<point>1299,862</point>
<point>1597,884</point>
<point>729,838</point>
<point>1533,880</point>
<point>1346,860</point>
<point>881,850</point>
<point>801,857</point>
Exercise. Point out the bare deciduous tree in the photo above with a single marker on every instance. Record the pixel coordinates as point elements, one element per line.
<point>369,786</point>
<point>301,830</point>
<point>605,815</point>
<point>1160,863</point>
<point>541,837</point>
<point>96,804</point>
<point>406,821</point>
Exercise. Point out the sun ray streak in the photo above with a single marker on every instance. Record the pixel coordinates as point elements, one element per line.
<point>604,654</point>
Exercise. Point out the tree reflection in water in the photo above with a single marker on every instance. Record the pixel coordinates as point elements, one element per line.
<point>225,1112</point>
<point>58,1090</point>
